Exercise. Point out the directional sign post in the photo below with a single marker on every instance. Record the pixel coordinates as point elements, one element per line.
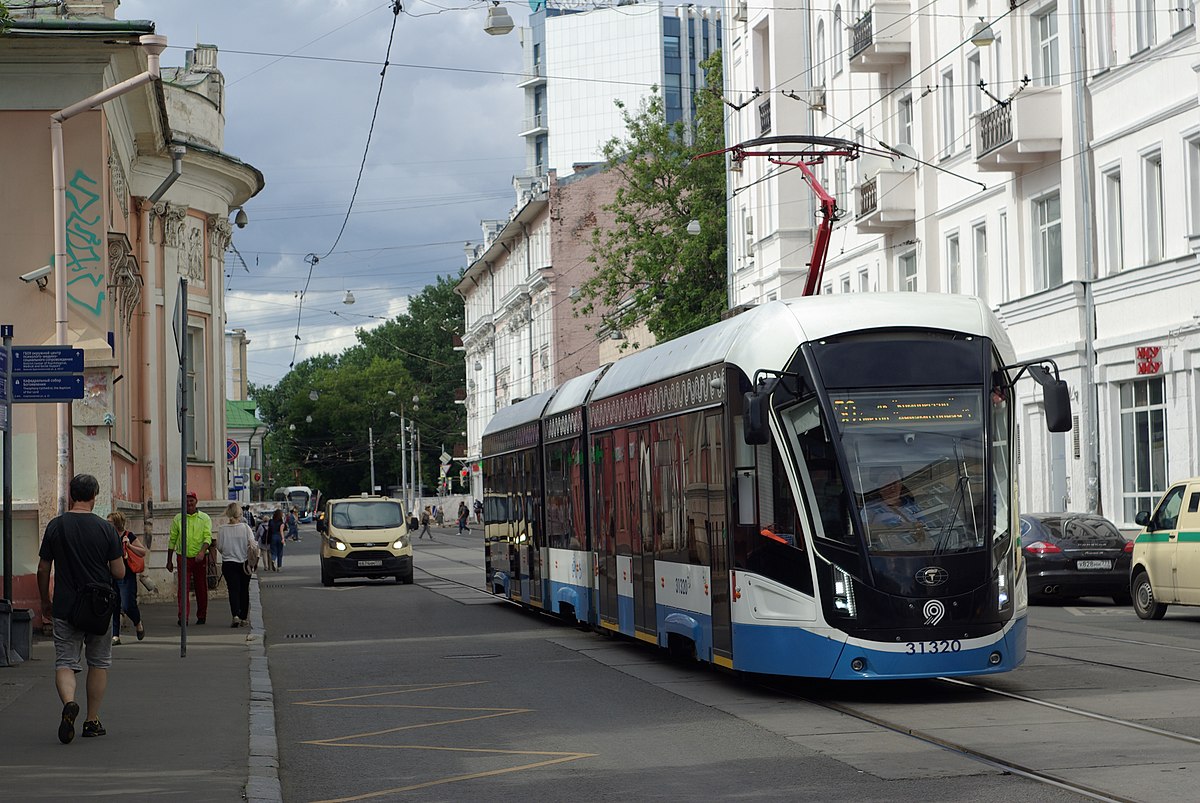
<point>47,387</point>
<point>6,332</point>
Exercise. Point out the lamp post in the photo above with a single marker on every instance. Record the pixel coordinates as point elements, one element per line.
<point>404,462</point>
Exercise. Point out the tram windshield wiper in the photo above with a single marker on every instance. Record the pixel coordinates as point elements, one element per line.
<point>962,493</point>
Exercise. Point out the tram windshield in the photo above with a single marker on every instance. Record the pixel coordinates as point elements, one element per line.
<point>917,470</point>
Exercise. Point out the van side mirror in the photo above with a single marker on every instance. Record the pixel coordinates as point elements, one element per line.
<point>1142,518</point>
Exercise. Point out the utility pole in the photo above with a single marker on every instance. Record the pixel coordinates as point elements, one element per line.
<point>371,450</point>
<point>404,464</point>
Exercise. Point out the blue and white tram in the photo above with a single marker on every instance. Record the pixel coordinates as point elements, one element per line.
<point>820,488</point>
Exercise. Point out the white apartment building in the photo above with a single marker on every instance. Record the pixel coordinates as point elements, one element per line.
<point>1057,175</point>
<point>579,61</point>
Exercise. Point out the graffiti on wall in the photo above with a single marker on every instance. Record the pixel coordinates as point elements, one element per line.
<point>85,243</point>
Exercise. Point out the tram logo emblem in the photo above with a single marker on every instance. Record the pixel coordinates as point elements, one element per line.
<point>934,611</point>
<point>932,576</point>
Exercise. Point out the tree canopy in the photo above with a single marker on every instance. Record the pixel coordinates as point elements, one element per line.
<point>329,439</point>
<point>648,267</point>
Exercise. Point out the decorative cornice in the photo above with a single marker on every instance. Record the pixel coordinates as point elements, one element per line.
<point>220,234</point>
<point>125,279</point>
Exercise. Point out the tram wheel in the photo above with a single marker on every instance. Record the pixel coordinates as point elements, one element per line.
<point>1143,598</point>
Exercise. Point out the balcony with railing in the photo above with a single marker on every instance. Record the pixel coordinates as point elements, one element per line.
<point>887,201</point>
<point>882,38</point>
<point>534,125</point>
<point>1025,131</point>
<point>764,117</point>
<point>532,73</point>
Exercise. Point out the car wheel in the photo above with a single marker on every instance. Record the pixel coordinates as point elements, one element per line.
<point>326,575</point>
<point>405,578</point>
<point>1143,598</point>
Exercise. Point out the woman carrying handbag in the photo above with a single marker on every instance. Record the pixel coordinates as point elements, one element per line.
<point>135,564</point>
<point>239,550</point>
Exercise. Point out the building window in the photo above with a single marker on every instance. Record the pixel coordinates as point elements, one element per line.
<point>864,281</point>
<point>1106,55</point>
<point>1183,15</point>
<point>905,117</point>
<point>1143,25</point>
<point>1114,222</point>
<point>1153,191</point>
<point>953,265</point>
<point>974,76</point>
<point>818,70</point>
<point>197,407</point>
<point>1004,278</point>
<point>672,96</point>
<point>1191,149</point>
<point>948,127</point>
<point>670,45</point>
<point>1047,249</point>
<point>1045,30</point>
<point>979,239</point>
<point>839,40</point>
<point>840,191</point>
<point>908,272</point>
<point>846,283</point>
<point>1143,445</point>
<point>540,155</point>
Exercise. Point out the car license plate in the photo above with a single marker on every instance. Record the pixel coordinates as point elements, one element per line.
<point>363,564</point>
<point>1094,564</point>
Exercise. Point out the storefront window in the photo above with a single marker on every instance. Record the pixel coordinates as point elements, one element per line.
<point>1143,445</point>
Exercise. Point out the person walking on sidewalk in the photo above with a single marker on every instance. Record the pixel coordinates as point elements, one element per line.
<point>127,586</point>
<point>425,525</point>
<point>193,559</point>
<point>478,512</point>
<point>275,538</point>
<point>235,540</point>
<point>463,514</point>
<point>81,548</point>
<point>293,525</point>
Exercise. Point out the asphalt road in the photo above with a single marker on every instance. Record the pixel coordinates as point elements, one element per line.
<point>435,691</point>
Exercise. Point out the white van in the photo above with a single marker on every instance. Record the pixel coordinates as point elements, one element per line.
<point>1165,569</point>
<point>366,536</point>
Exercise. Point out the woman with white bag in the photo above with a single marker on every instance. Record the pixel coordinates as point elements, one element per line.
<point>239,555</point>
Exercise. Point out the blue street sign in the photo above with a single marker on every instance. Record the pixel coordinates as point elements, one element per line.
<point>6,330</point>
<point>47,359</point>
<point>47,387</point>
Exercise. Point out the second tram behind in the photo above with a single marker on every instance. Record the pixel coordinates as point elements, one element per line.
<point>822,488</point>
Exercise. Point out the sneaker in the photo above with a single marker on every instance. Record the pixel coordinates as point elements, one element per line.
<point>243,622</point>
<point>236,623</point>
<point>66,728</point>
<point>92,727</point>
<point>201,620</point>
<point>116,639</point>
<point>141,632</point>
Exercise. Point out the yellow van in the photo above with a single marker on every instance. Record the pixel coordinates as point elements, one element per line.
<point>366,536</point>
<point>1165,569</point>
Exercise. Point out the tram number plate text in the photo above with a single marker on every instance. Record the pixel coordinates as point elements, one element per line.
<point>1094,564</point>
<point>933,647</point>
<point>366,563</point>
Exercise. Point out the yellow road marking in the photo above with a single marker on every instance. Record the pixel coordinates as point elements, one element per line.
<point>398,686</point>
<point>498,712</point>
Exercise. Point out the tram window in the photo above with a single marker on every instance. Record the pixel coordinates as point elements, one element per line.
<point>824,478</point>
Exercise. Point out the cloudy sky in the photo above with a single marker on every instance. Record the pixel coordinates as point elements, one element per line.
<point>301,79</point>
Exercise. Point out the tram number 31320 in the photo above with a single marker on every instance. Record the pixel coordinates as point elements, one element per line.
<point>933,647</point>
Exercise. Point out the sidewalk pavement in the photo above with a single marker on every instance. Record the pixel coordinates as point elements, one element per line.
<point>177,726</point>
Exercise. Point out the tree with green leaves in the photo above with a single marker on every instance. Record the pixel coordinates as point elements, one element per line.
<point>648,267</point>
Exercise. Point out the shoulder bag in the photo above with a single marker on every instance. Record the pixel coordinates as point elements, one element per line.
<point>135,562</point>
<point>94,608</point>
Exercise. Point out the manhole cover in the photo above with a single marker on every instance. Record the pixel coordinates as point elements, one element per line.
<point>472,657</point>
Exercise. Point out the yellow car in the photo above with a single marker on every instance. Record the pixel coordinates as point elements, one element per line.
<point>366,536</point>
<point>1166,554</point>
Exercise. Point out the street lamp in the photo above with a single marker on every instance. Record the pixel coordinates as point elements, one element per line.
<point>499,21</point>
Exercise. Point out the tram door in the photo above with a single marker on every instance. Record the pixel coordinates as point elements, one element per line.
<point>641,494</point>
<point>718,532</point>
<point>608,477</point>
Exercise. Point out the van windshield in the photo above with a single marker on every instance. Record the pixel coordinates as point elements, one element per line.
<point>367,515</point>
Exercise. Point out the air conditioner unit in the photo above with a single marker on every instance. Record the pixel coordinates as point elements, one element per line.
<point>741,14</point>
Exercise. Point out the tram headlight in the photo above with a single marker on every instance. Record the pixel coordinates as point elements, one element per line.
<point>843,592</point>
<point>1002,585</point>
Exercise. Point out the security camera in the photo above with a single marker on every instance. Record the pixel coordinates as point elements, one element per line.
<point>910,437</point>
<point>40,276</point>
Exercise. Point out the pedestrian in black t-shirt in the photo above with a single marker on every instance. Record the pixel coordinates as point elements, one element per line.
<point>81,548</point>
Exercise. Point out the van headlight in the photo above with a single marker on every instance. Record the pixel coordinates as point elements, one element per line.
<point>401,542</point>
<point>337,543</point>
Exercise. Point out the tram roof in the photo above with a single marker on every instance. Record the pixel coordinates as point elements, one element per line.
<point>767,335</point>
<point>521,412</point>
<point>574,392</point>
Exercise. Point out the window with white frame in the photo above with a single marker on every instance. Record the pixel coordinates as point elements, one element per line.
<point>979,245</point>
<point>1114,222</point>
<point>838,44</point>
<point>1191,149</point>
<point>1183,15</point>
<point>904,132</point>
<point>974,76</point>
<point>953,264</point>
<point>846,283</point>
<point>197,400</point>
<point>908,272</point>
<point>1047,247</point>
<point>1004,277</point>
<point>1045,37</point>
<point>818,70</point>
<point>1143,25</point>
<point>1143,444</point>
<point>1106,21</point>
<point>1152,192</point>
<point>949,130</point>
<point>840,190</point>
<point>864,281</point>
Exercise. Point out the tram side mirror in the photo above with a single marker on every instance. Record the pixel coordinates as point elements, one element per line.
<point>1056,399</point>
<point>755,429</point>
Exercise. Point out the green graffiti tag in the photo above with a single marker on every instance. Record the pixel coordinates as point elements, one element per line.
<point>85,247</point>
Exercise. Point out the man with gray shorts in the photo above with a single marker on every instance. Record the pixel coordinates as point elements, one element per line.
<point>82,548</point>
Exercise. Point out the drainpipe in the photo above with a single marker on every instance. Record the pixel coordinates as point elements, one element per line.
<point>154,46</point>
<point>1090,394</point>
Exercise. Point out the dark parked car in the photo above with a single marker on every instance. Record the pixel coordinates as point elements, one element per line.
<point>1070,555</point>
